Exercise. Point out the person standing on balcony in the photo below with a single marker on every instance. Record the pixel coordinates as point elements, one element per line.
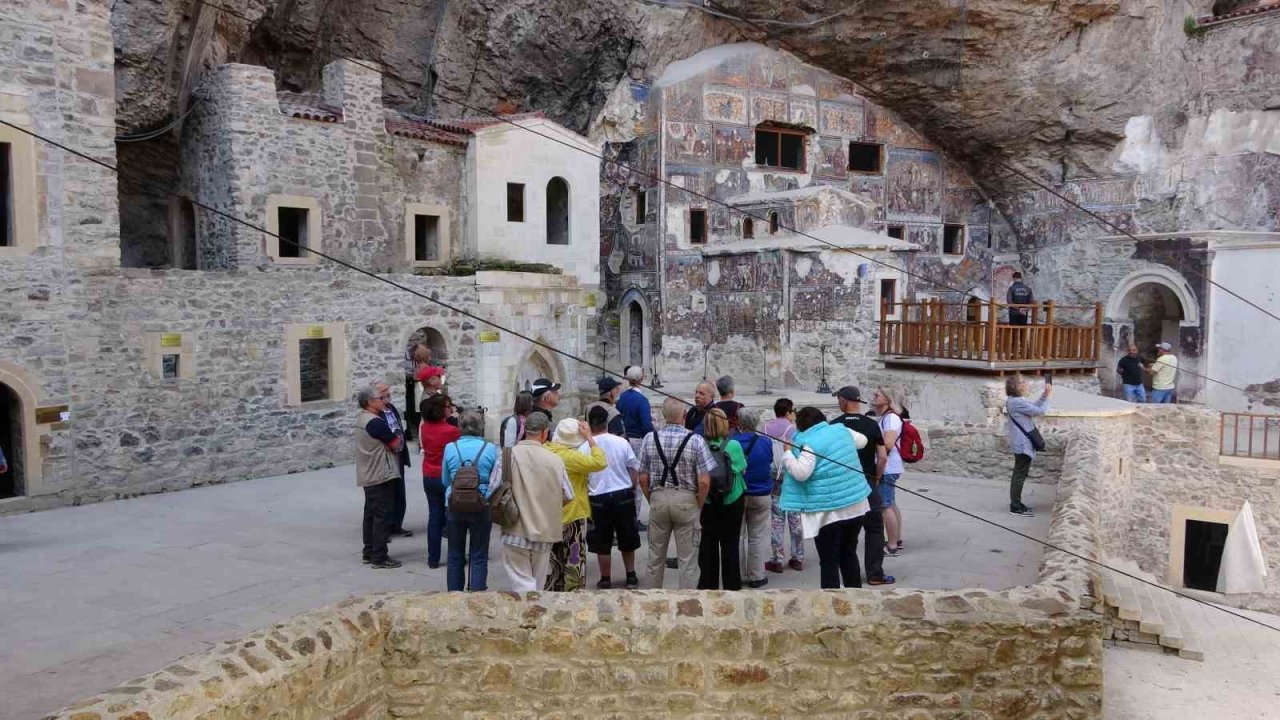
<point>1019,294</point>
<point>1164,380</point>
<point>1021,431</point>
<point>1130,369</point>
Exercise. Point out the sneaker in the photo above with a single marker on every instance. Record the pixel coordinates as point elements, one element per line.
<point>795,564</point>
<point>633,582</point>
<point>365,559</point>
<point>891,551</point>
<point>402,533</point>
<point>673,564</point>
<point>773,567</point>
<point>604,584</point>
<point>886,580</point>
<point>387,564</point>
<point>754,584</point>
<point>1022,510</point>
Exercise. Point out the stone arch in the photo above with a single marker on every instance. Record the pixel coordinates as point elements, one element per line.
<point>748,229</point>
<point>773,222</point>
<point>557,211</point>
<point>1119,302</point>
<point>635,328</point>
<point>22,447</point>
<point>538,362</point>
<point>436,339</point>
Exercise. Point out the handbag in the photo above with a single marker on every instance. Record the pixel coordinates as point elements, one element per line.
<point>502,503</point>
<point>1037,440</point>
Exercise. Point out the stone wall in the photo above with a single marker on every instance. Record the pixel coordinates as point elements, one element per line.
<point>648,654</point>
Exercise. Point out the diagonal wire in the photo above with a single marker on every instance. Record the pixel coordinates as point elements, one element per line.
<point>448,306</point>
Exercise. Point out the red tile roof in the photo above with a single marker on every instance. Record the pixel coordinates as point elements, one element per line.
<point>1257,9</point>
<point>308,107</point>
<point>468,125</point>
<point>422,129</point>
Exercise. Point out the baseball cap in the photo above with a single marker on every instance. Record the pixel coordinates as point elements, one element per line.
<point>542,385</point>
<point>607,384</point>
<point>1164,346</point>
<point>427,371</point>
<point>848,392</point>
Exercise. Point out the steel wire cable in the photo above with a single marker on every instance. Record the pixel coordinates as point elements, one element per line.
<point>582,361</point>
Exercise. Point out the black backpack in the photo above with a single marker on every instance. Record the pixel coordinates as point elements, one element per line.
<point>721,474</point>
<point>464,490</point>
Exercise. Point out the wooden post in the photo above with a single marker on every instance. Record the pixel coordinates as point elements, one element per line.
<point>1097,331</point>
<point>992,322</point>
<point>1050,331</point>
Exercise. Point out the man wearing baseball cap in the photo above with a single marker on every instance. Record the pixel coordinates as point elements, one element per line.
<point>872,458</point>
<point>546,396</point>
<point>1164,379</point>
<point>609,390</point>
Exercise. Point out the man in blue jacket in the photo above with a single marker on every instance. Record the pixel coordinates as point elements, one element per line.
<point>759,476</point>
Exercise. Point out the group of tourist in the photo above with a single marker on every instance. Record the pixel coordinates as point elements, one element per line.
<point>1133,371</point>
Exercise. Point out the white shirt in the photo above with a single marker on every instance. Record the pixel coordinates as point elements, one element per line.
<point>801,468</point>
<point>621,457</point>
<point>891,422</point>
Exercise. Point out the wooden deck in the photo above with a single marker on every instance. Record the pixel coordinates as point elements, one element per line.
<point>970,337</point>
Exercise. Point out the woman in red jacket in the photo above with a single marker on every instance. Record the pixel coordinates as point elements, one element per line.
<point>434,434</point>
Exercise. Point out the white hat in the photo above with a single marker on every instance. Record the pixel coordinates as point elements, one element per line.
<point>1165,346</point>
<point>567,433</point>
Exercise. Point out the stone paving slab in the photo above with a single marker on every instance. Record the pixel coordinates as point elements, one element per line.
<point>99,594</point>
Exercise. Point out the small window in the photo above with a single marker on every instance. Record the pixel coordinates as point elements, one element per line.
<point>896,231</point>
<point>780,148</point>
<point>698,226</point>
<point>773,223</point>
<point>426,238</point>
<point>973,310</point>
<point>557,211</point>
<point>952,239</point>
<point>641,206</point>
<point>748,229</point>
<point>8,238</point>
<point>866,157</point>
<point>170,366</point>
<point>515,202</point>
<point>888,297</point>
<point>292,224</point>
<point>186,247</point>
<point>313,369</point>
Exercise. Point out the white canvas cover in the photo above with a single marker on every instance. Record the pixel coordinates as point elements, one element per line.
<point>1243,568</point>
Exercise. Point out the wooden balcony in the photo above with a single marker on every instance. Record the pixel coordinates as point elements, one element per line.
<point>976,337</point>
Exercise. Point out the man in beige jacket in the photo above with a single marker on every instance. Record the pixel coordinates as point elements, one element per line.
<point>541,488</point>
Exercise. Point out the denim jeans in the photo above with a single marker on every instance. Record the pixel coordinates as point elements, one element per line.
<point>435,517</point>
<point>469,546</point>
<point>1135,393</point>
<point>1162,396</point>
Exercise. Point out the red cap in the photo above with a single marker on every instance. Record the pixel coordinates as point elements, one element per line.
<point>427,371</point>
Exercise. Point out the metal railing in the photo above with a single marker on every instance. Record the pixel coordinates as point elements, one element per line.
<point>1249,435</point>
<point>974,332</point>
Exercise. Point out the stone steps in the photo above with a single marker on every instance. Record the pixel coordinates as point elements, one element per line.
<point>1147,618</point>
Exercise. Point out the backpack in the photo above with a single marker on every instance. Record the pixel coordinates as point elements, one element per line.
<point>909,444</point>
<point>721,475</point>
<point>464,490</point>
<point>502,503</point>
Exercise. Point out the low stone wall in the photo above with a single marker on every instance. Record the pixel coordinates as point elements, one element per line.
<point>656,654</point>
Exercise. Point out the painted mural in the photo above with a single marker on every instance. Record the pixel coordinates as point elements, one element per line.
<point>725,105</point>
<point>833,158</point>
<point>766,107</point>
<point>804,112</point>
<point>688,142</point>
<point>682,101</point>
<point>841,120</point>
<point>914,185</point>
<point>733,144</point>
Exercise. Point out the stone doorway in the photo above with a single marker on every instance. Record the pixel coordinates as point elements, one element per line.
<point>11,442</point>
<point>634,331</point>
<point>434,340</point>
<point>1154,314</point>
<point>539,363</point>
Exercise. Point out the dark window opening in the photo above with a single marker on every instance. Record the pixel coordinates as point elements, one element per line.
<point>186,247</point>
<point>698,226</point>
<point>426,238</point>
<point>866,157</point>
<point>11,443</point>
<point>896,231</point>
<point>888,296</point>
<point>748,229</point>
<point>7,233</point>
<point>169,366</point>
<point>780,149</point>
<point>952,239</point>
<point>557,212</point>
<point>1202,554</point>
<point>773,223</point>
<point>515,202</point>
<point>641,206</point>
<point>973,310</point>
<point>292,227</point>
<point>313,369</point>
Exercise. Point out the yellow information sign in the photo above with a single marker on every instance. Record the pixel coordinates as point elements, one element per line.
<point>315,331</point>
<point>591,300</point>
<point>171,340</point>
<point>488,336</point>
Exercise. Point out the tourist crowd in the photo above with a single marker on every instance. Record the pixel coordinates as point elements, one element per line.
<point>733,492</point>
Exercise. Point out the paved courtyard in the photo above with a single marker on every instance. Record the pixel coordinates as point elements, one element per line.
<point>99,594</point>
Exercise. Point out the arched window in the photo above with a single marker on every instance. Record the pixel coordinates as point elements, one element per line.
<point>557,211</point>
<point>748,229</point>
<point>773,223</point>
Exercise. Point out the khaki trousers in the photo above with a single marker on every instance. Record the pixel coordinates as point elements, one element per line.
<point>757,524</point>
<point>526,569</point>
<point>674,513</point>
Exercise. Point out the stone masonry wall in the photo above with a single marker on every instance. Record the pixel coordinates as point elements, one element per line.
<point>649,654</point>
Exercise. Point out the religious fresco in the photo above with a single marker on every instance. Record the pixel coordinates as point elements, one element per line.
<point>831,87</point>
<point>872,187</point>
<point>1103,194</point>
<point>882,127</point>
<point>914,185</point>
<point>841,120</point>
<point>927,237</point>
<point>769,70</point>
<point>957,176</point>
<point>804,112</point>
<point>804,79</point>
<point>833,159</point>
<point>735,273</point>
<point>732,71</point>
<point>647,122</point>
<point>725,105</point>
<point>686,178</point>
<point>769,270</point>
<point>963,205</point>
<point>723,183</point>
<point>683,101</point>
<point>639,251</point>
<point>688,142</point>
<point>733,144</point>
<point>735,313</point>
<point>646,160</point>
<point>767,107</point>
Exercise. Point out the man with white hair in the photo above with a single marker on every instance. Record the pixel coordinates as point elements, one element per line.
<point>637,413</point>
<point>1164,375</point>
<point>377,469</point>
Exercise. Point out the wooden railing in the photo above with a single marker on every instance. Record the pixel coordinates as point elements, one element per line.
<point>980,332</point>
<point>1249,435</point>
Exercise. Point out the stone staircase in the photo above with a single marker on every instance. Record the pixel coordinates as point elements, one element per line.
<point>1143,617</point>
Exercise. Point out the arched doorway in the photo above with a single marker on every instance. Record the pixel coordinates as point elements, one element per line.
<point>538,363</point>
<point>11,443</point>
<point>634,330</point>
<point>557,211</point>
<point>1154,314</point>
<point>434,340</point>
